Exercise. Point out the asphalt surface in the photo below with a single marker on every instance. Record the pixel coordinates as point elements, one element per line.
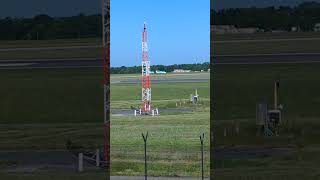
<point>51,63</point>
<point>297,58</point>
<point>47,48</point>
<point>130,112</point>
<point>30,161</point>
<point>155,81</point>
<point>96,62</point>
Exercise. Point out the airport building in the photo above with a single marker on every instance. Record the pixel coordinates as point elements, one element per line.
<point>181,71</point>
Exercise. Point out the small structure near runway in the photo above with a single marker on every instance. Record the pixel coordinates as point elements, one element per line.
<point>269,120</point>
<point>194,98</point>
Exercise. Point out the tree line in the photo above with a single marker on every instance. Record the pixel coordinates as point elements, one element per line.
<point>303,16</point>
<point>44,27</point>
<point>137,69</point>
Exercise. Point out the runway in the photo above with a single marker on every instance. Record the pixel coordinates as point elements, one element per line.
<point>47,48</point>
<point>130,112</point>
<point>155,81</point>
<point>30,161</point>
<point>291,58</point>
<point>51,63</point>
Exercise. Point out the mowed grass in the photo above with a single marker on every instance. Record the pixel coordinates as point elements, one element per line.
<point>173,144</point>
<point>51,96</point>
<point>265,173</point>
<point>9,50</point>
<point>163,95</point>
<point>299,164</point>
<point>238,89</point>
<point>59,96</point>
<point>265,43</point>
<point>43,109</point>
<point>160,91</point>
<point>239,92</point>
<point>168,76</point>
<point>46,136</point>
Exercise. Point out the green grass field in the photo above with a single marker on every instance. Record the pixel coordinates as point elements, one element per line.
<point>54,96</point>
<point>81,48</point>
<point>75,112</point>
<point>169,76</point>
<point>42,109</point>
<point>240,88</point>
<point>265,43</point>
<point>174,145</point>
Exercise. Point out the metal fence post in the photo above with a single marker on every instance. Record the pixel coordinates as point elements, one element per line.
<point>98,158</point>
<point>145,138</point>
<point>80,162</point>
<point>201,141</point>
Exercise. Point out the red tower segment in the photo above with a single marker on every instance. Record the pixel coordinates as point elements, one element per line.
<point>145,80</point>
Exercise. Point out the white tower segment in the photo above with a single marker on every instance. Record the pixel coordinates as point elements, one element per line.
<point>145,76</point>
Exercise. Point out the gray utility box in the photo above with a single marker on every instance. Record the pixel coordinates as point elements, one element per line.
<point>274,116</point>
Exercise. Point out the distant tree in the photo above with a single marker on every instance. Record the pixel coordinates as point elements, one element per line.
<point>137,69</point>
<point>45,27</point>
<point>303,16</point>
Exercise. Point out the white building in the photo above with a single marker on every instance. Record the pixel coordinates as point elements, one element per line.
<point>222,29</point>
<point>160,72</point>
<point>181,71</point>
<point>231,29</point>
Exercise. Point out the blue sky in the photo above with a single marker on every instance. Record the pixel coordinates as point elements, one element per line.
<point>29,8</point>
<point>178,31</point>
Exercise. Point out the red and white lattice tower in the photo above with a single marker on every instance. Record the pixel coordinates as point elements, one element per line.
<point>146,82</point>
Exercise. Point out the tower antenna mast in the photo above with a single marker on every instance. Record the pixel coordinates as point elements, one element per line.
<point>145,78</point>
